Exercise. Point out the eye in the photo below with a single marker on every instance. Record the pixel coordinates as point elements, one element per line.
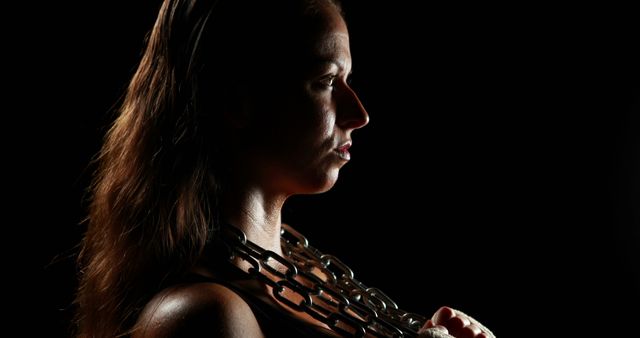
<point>327,82</point>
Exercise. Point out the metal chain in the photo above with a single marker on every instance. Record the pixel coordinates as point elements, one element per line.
<point>306,280</point>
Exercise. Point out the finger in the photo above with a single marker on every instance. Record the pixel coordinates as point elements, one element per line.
<point>486,333</point>
<point>471,330</point>
<point>457,325</point>
<point>443,315</point>
<point>457,321</point>
<point>459,313</point>
<point>428,324</point>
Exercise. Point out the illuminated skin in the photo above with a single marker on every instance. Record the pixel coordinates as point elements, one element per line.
<point>293,142</point>
<point>447,323</point>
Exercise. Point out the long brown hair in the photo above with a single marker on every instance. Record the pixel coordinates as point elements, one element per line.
<point>155,191</point>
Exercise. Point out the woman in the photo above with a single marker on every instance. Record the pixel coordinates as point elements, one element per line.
<point>236,106</point>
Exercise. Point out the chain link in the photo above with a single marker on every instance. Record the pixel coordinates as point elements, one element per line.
<point>306,280</point>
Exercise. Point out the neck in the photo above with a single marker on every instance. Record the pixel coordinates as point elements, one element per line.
<point>256,212</point>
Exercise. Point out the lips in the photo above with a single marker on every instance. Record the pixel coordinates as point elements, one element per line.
<point>343,151</point>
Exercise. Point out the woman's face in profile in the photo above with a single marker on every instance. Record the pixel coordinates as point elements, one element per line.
<point>304,129</point>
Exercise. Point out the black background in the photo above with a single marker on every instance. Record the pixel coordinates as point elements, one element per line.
<point>498,175</point>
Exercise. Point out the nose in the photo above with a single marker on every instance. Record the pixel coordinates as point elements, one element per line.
<point>350,111</point>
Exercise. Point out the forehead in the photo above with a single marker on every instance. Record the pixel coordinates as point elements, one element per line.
<point>327,34</point>
<point>293,44</point>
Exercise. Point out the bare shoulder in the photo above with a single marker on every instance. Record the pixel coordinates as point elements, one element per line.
<point>197,310</point>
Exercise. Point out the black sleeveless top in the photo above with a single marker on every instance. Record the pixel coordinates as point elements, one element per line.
<point>273,323</point>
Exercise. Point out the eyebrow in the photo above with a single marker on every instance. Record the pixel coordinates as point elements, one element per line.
<point>328,60</point>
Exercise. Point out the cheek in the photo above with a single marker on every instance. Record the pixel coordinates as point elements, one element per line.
<point>310,121</point>
<point>297,125</point>
<point>321,117</point>
<point>324,123</point>
<point>298,151</point>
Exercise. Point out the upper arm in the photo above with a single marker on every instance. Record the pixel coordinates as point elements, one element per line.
<point>197,310</point>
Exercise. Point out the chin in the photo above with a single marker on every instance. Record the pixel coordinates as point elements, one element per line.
<point>321,183</point>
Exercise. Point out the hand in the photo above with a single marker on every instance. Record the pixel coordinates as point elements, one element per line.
<point>450,323</point>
